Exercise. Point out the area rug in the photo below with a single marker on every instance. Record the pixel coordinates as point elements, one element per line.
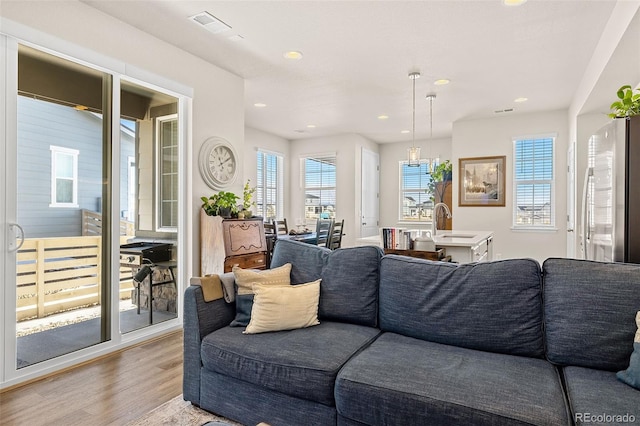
<point>178,412</point>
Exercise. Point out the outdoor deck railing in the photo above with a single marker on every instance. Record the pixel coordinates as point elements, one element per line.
<point>60,274</point>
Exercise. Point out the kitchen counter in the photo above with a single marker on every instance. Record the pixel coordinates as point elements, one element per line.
<point>461,238</point>
<point>463,246</point>
<point>466,246</point>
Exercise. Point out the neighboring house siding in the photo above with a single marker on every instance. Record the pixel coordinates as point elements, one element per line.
<point>40,125</point>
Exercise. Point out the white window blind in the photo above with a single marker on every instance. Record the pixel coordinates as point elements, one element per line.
<point>319,187</point>
<point>534,182</point>
<point>269,195</point>
<point>415,197</point>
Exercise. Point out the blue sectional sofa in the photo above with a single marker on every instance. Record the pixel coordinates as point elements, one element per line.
<point>404,341</point>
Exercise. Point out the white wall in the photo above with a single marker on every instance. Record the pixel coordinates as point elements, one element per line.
<point>256,139</point>
<point>218,96</point>
<point>390,156</point>
<point>493,137</point>
<point>348,150</point>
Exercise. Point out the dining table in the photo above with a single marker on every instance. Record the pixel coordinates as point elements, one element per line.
<point>306,237</point>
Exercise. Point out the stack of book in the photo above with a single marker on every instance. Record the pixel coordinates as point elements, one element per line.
<point>396,238</point>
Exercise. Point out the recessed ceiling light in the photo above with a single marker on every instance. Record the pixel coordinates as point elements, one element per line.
<point>259,105</point>
<point>293,54</point>
<point>513,2</point>
<point>311,126</point>
<point>383,117</point>
<point>442,81</point>
<point>520,100</point>
<point>404,132</point>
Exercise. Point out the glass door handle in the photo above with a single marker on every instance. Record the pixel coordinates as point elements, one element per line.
<point>14,246</point>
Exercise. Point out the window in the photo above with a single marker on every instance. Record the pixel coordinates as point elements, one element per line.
<point>269,196</point>
<point>167,136</point>
<point>319,187</point>
<point>64,177</point>
<point>415,197</point>
<point>533,183</point>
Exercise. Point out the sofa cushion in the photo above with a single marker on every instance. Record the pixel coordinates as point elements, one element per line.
<point>350,278</point>
<point>306,260</point>
<point>589,312</point>
<point>284,308</point>
<point>631,375</point>
<point>350,281</point>
<point>494,306</point>
<point>406,381</point>
<point>301,363</point>
<point>595,393</point>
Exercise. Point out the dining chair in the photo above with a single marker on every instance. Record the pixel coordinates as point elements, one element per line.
<point>335,239</point>
<point>281,226</point>
<point>271,236</point>
<point>323,231</point>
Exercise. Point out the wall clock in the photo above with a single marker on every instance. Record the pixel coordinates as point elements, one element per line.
<point>218,163</point>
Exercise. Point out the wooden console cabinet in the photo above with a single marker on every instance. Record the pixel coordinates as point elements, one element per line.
<point>228,242</point>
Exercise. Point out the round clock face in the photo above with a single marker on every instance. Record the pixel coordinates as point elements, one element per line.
<point>218,163</point>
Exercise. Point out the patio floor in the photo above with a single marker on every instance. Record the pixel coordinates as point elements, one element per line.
<point>39,340</point>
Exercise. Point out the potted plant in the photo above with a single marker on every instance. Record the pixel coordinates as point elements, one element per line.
<point>441,175</point>
<point>221,204</point>
<point>247,194</point>
<point>627,105</point>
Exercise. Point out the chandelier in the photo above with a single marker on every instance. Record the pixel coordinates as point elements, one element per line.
<point>414,151</point>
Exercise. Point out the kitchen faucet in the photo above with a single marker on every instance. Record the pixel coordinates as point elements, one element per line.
<point>434,222</point>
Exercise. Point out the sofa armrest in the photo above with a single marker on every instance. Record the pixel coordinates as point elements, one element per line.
<point>200,319</point>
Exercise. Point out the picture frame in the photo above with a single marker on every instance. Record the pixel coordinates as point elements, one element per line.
<point>482,181</point>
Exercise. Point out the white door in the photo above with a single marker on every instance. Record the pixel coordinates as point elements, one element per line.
<point>571,200</point>
<point>370,208</point>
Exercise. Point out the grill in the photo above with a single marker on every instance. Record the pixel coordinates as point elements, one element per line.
<point>134,254</point>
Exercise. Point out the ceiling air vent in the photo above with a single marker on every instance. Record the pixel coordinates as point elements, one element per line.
<point>210,22</point>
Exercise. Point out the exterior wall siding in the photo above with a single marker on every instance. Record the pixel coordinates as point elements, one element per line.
<point>40,125</point>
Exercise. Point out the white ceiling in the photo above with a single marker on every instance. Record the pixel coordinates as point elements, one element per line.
<point>358,54</point>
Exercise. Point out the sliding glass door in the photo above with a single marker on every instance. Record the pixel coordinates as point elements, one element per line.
<point>62,279</point>
<point>91,185</point>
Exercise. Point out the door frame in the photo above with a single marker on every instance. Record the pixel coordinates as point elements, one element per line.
<point>10,375</point>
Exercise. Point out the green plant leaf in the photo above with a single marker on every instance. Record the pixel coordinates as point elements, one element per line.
<point>621,91</point>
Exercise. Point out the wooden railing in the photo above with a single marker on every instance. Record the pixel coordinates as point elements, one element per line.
<point>60,274</point>
<point>92,224</point>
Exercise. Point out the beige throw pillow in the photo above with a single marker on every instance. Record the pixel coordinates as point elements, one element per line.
<point>284,308</point>
<point>245,280</point>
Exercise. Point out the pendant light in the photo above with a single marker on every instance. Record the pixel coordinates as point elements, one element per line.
<point>414,151</point>
<point>431,97</point>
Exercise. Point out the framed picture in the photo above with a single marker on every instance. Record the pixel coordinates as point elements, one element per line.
<point>481,182</point>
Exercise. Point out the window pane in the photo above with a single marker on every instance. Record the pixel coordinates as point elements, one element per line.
<point>64,165</point>
<point>320,188</point>
<point>64,191</point>
<point>168,173</point>
<point>533,179</point>
<point>268,185</point>
<point>415,192</point>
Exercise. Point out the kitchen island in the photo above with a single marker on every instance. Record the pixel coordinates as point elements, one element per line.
<point>462,246</point>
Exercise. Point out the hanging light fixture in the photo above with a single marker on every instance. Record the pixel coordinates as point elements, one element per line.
<point>431,97</point>
<point>414,151</point>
